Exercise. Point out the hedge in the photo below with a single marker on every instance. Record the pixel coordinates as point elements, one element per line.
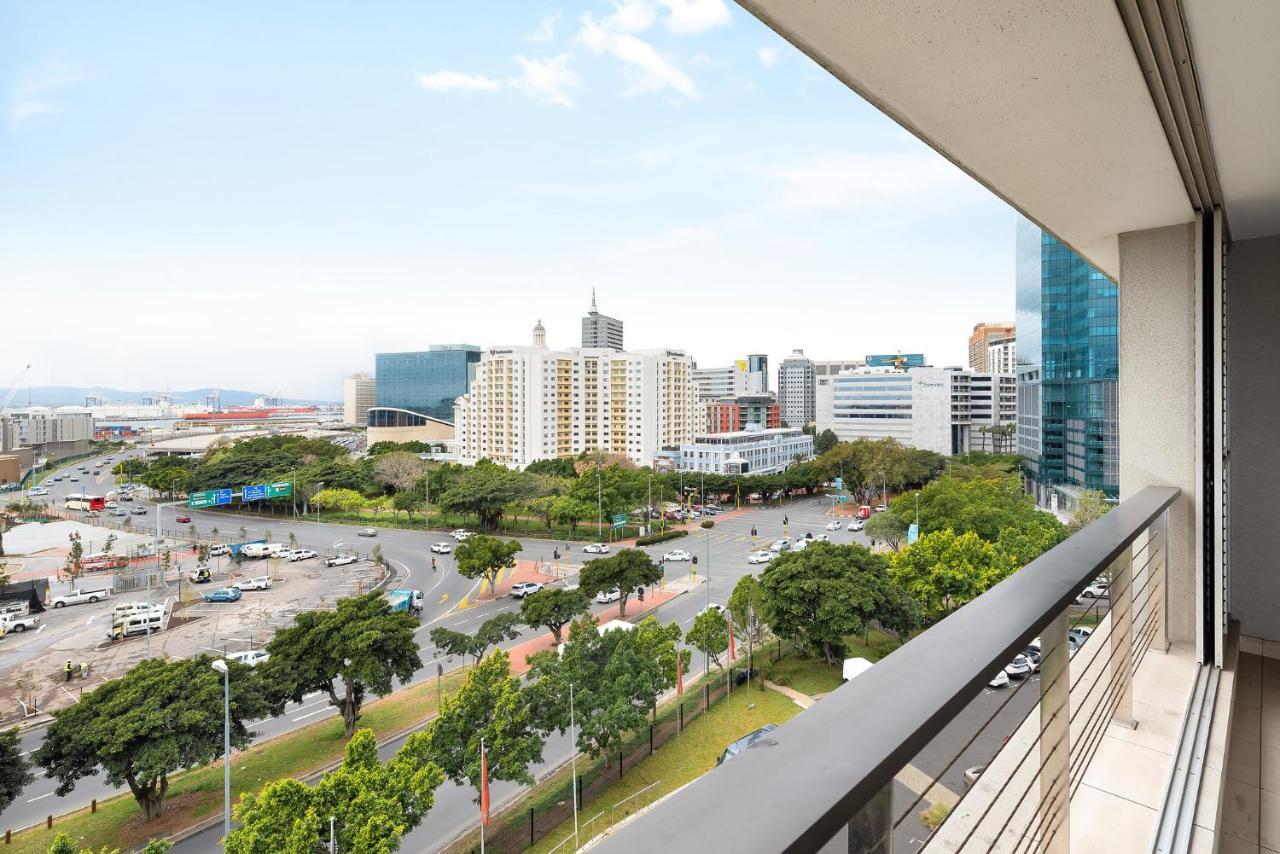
<point>707,523</point>
<point>661,538</point>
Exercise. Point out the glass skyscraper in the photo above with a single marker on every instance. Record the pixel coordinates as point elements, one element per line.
<point>425,383</point>
<point>1067,365</point>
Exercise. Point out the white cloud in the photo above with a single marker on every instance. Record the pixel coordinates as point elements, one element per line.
<point>632,16</point>
<point>546,29</point>
<point>768,56</point>
<point>847,181</point>
<point>687,17</point>
<point>547,80</point>
<point>445,81</point>
<point>646,70</point>
<point>31,91</point>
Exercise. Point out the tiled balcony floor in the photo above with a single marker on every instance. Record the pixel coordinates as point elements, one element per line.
<point>1251,789</point>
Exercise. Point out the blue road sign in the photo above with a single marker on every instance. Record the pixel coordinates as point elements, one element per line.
<point>222,496</point>
<point>254,493</point>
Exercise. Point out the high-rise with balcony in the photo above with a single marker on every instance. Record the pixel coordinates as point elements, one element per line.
<point>796,389</point>
<point>600,330</point>
<point>1067,368</point>
<point>359,395</point>
<point>980,342</point>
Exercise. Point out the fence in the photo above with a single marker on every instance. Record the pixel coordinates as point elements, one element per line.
<point>528,826</point>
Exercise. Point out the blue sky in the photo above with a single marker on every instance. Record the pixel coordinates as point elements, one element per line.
<point>263,195</point>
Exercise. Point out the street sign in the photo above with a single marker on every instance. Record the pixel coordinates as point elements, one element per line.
<point>279,490</point>
<point>620,520</point>
<point>254,493</point>
<point>202,499</point>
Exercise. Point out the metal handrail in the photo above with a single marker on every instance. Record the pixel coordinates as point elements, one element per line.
<point>817,770</point>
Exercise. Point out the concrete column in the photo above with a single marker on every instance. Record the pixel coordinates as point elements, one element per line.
<point>1159,396</point>
<point>1055,738</point>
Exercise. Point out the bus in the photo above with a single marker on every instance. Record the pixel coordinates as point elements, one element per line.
<point>84,501</point>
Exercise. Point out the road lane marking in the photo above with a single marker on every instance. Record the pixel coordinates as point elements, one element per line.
<point>41,797</point>
<point>316,712</point>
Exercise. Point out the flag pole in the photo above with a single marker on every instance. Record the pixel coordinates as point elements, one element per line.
<point>484,793</point>
<point>573,746</point>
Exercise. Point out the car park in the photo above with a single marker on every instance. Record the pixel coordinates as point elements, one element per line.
<point>225,594</point>
<point>834,526</point>
<point>604,597</point>
<point>442,548</point>
<point>367,532</point>
<point>182,519</point>
<point>261,582</point>
<point>301,554</point>
<point>341,560</point>
<point>250,658</point>
<point>525,588</point>
<point>677,554</point>
<point>759,557</point>
<point>596,549</point>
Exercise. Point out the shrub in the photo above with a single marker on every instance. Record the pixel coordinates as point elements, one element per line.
<point>935,815</point>
<point>707,523</point>
<point>661,538</point>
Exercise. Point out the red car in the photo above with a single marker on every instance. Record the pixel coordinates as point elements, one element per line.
<point>182,518</point>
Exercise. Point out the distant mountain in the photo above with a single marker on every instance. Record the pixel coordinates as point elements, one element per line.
<point>66,395</point>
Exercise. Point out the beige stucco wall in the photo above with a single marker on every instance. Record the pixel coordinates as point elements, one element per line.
<point>431,432</point>
<point>1158,393</point>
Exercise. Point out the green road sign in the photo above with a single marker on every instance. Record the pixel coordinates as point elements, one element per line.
<point>279,490</point>
<point>620,520</point>
<point>203,499</point>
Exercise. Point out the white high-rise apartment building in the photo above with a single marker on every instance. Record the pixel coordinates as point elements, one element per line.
<point>936,409</point>
<point>359,395</point>
<point>1001,356</point>
<point>534,403</point>
<point>796,389</point>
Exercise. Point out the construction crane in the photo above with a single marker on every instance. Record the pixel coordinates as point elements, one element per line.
<point>12,389</point>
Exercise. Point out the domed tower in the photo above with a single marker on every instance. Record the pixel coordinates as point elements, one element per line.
<point>539,335</point>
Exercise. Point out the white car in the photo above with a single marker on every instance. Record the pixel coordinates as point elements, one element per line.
<point>301,554</point>
<point>1000,680</point>
<point>833,526</point>
<point>524,588</point>
<point>219,550</point>
<point>39,490</point>
<point>252,657</point>
<point>780,545</point>
<point>855,525</point>
<point>678,554</point>
<point>801,545</point>
<point>460,534</point>
<point>442,548</point>
<point>111,505</point>
<point>604,597</point>
<point>714,606</point>
<point>1096,590</point>
<point>596,549</point>
<point>340,560</point>
<point>262,582</point>
<point>880,508</point>
<point>821,538</point>
<point>759,557</point>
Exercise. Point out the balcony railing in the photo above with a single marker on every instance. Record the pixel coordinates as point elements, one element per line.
<point>830,772</point>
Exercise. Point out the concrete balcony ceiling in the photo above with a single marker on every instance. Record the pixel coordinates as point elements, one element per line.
<point>1047,104</point>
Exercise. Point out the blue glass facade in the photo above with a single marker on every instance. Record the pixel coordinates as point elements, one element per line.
<point>1068,366</point>
<point>426,382</point>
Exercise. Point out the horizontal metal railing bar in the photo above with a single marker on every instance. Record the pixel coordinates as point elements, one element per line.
<point>812,775</point>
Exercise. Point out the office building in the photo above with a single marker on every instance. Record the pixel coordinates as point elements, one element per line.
<point>359,395</point>
<point>733,414</point>
<point>425,382</point>
<point>1068,365</point>
<point>927,408</point>
<point>984,336</point>
<point>758,374</point>
<point>600,330</point>
<point>796,389</point>
<point>1002,357</point>
<point>744,376</point>
<point>52,434</point>
<point>752,451</point>
<point>534,403</point>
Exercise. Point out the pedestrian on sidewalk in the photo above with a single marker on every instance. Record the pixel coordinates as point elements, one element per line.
<point>68,670</point>
<point>84,670</point>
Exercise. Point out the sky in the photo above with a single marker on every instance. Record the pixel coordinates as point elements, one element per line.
<point>262,196</point>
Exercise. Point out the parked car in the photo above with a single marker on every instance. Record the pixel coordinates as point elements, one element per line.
<point>1019,668</point>
<point>880,508</point>
<point>340,560</point>
<point>442,548</point>
<point>834,525</point>
<point>225,594</point>
<point>367,532</point>
<point>604,597</point>
<point>780,545</point>
<point>18,623</point>
<point>219,550</point>
<point>759,557</point>
<point>744,743</point>
<point>112,505</point>
<point>524,588</point>
<point>301,554</point>
<point>252,657</point>
<point>261,582</point>
<point>1000,680</point>
<point>801,545</point>
<point>677,554</point>
<point>138,623</point>
<point>460,534</point>
<point>199,575</point>
<point>182,519</point>
<point>1096,590</point>
<point>714,606</point>
<point>596,549</point>
<point>118,512</point>
<point>138,511</point>
<point>76,596</point>
<point>1080,634</point>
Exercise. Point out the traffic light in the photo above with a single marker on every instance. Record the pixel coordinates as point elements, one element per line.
<point>695,560</point>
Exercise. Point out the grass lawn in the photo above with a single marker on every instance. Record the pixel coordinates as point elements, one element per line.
<point>197,794</point>
<point>811,675</point>
<point>689,755</point>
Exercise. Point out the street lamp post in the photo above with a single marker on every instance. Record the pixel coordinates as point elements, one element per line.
<point>220,665</point>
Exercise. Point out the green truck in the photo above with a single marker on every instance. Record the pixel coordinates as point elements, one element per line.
<point>407,600</point>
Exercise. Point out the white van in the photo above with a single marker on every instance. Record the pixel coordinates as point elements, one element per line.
<point>274,549</point>
<point>137,624</point>
<point>129,608</point>
<point>252,657</point>
<point>256,550</point>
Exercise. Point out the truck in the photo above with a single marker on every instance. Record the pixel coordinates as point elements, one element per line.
<point>406,600</point>
<point>261,549</point>
<point>76,596</point>
<point>18,623</point>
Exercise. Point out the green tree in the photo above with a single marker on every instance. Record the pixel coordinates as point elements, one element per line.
<point>554,608</point>
<point>985,506</point>
<point>630,570</point>
<point>493,631</point>
<point>373,803</point>
<point>567,510</point>
<point>109,546</point>
<point>407,502</point>
<point>824,442</point>
<point>482,556</point>
<point>746,606</point>
<point>63,844</point>
<point>484,491</point>
<point>544,506</point>
<point>710,635</point>
<point>488,706</point>
<point>15,773</point>
<point>1090,506</point>
<point>362,646</point>
<point>556,467</point>
<point>342,500</point>
<point>886,528</point>
<point>943,570</point>
<point>74,555</point>
<point>160,717</point>
<point>818,596</point>
<point>378,559</point>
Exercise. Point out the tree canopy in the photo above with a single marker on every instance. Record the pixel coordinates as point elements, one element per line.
<point>482,556</point>
<point>985,506</point>
<point>362,646</point>
<point>15,772</point>
<point>710,635</point>
<point>554,607</point>
<point>1090,506</point>
<point>630,570</point>
<point>493,631</point>
<point>943,569</point>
